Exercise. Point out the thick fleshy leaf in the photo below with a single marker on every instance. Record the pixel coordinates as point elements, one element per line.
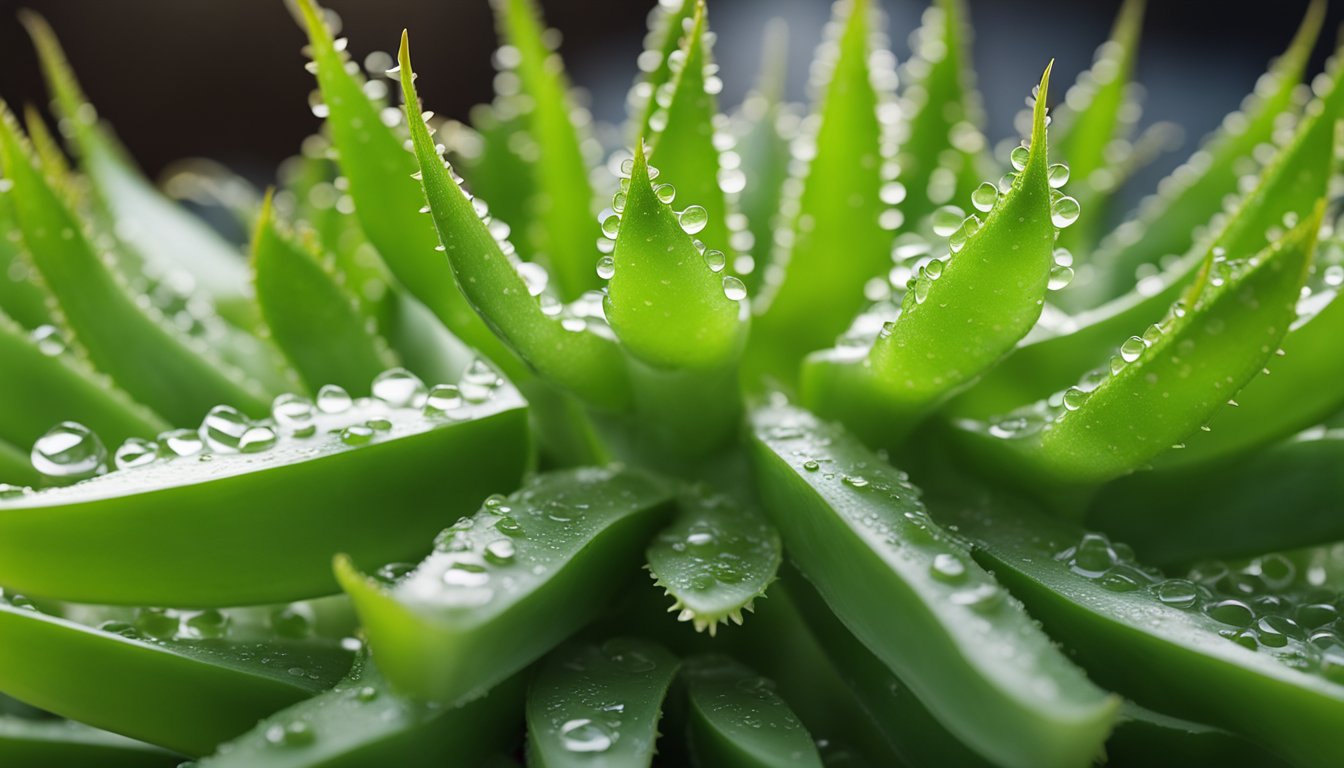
<point>256,516</point>
<point>21,296</point>
<point>582,361</point>
<point>314,319</point>
<point>835,240</point>
<point>1145,737</point>
<point>685,141</point>
<point>670,304</point>
<point>856,528</point>
<point>960,314</point>
<point>1241,669</point>
<point>193,686</point>
<point>737,719</point>
<point>1285,497</point>
<point>1099,111</point>
<point>715,560</point>
<point>561,222</point>
<point>362,721</point>
<point>51,743</point>
<point>1286,191</point>
<point>137,347</point>
<point>942,153</point>
<point>1167,223</point>
<point>15,470</point>
<point>598,705</point>
<point>379,171</point>
<point>45,384</point>
<point>667,25</point>
<point>508,583</point>
<point>1160,387</point>
<point>162,233</point>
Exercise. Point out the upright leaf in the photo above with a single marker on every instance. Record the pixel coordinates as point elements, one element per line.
<point>508,583</point>
<point>146,356</point>
<point>667,24</point>
<point>1163,385</point>
<point>686,140</point>
<point>942,144</point>
<point>581,360</point>
<point>386,198</point>
<point>961,314</point>
<point>561,225</point>
<point>163,234</point>
<point>313,319</point>
<point>835,240</point>
<point>21,295</point>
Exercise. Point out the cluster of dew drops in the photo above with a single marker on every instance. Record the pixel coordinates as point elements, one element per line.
<point>71,451</point>
<point>1265,604</point>
<point>693,219</point>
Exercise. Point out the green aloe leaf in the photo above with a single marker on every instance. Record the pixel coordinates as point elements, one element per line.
<point>21,295</point>
<point>147,357</point>
<point>839,203</point>
<point>15,469</point>
<point>508,583</point>
<point>163,234</point>
<point>942,153</point>
<point>582,361</point>
<point>49,155</point>
<point>1145,737</point>
<point>1284,497</point>
<point>362,721</point>
<point>51,743</point>
<point>45,384</point>
<point>1136,632</point>
<point>561,221</point>
<point>737,719</point>
<point>598,705</point>
<point>764,126</point>
<point>1170,380</point>
<point>310,315</point>
<point>1099,111</point>
<point>386,199</point>
<point>913,732</point>
<point>854,525</point>
<point>1286,191</point>
<point>670,304</point>
<point>218,524</point>
<point>961,314</point>
<point>715,560</point>
<point>667,24</point>
<point>1195,191</point>
<point>685,141</point>
<point>190,692</point>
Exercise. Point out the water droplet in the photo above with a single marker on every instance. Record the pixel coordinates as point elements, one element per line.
<point>715,260</point>
<point>693,219</point>
<point>734,289</point>
<point>49,340</point>
<point>181,442</point>
<point>357,434</point>
<point>1178,593</point>
<point>1060,277</point>
<point>1058,175</point>
<point>535,277</point>
<point>8,491</point>
<point>443,399</point>
<point>1074,398</point>
<point>946,220</point>
<point>606,267</point>
<point>333,399</point>
<point>69,450</point>
<point>1064,211</point>
<point>135,452</point>
<point>1132,349</point>
<point>934,268</point>
<point>584,735</point>
<point>1019,157</point>
<point>466,573</point>
<point>811,465</point>
<point>223,428</point>
<point>295,734</point>
<point>984,197</point>
<point>209,623</point>
<point>294,415</point>
<point>478,382</point>
<point>156,622</point>
<point>611,225</point>
<point>981,598</point>
<point>1231,612</point>
<point>855,481</point>
<point>500,551</point>
<point>665,193</point>
<point>1334,275</point>
<point>947,567</point>
<point>292,621</point>
<point>399,388</point>
<point>509,527</point>
<point>257,439</point>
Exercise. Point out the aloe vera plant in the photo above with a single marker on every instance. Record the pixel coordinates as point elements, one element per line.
<point>722,438</point>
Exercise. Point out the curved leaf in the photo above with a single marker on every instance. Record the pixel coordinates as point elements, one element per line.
<point>667,24</point>
<point>50,743</point>
<point>736,719</point>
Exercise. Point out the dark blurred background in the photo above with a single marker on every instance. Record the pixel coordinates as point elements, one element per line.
<point>224,79</point>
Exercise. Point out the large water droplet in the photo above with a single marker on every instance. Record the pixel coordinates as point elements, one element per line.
<point>294,415</point>
<point>715,260</point>
<point>256,439</point>
<point>69,450</point>
<point>399,388</point>
<point>611,225</point>
<point>734,289</point>
<point>442,400</point>
<point>333,399</point>
<point>49,340</point>
<point>1178,593</point>
<point>181,442</point>
<point>1132,349</point>
<point>984,197</point>
<point>1064,211</point>
<point>223,428</point>
<point>946,220</point>
<point>1019,157</point>
<point>665,193</point>
<point>1060,277</point>
<point>606,267</point>
<point>584,735</point>
<point>135,452</point>
<point>693,219</point>
<point>947,567</point>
